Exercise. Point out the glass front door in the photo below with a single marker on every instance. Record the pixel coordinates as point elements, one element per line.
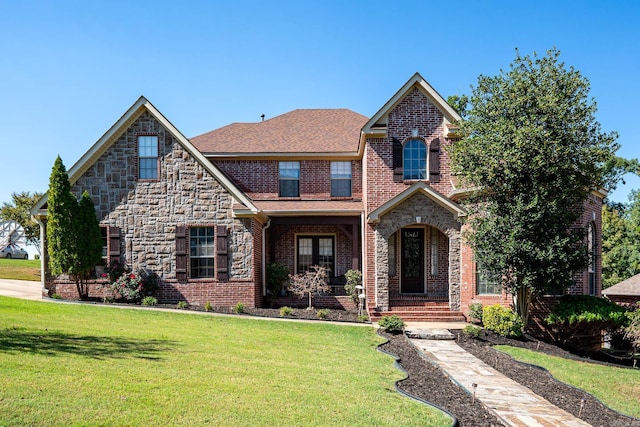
<point>412,261</point>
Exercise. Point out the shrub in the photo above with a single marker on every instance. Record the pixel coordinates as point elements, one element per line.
<point>182,305</point>
<point>354,278</point>
<point>322,313</point>
<point>56,296</point>
<point>239,308</point>
<point>208,306</point>
<point>276,275</point>
<point>472,331</point>
<point>149,301</point>
<point>286,311</point>
<point>579,320</point>
<point>475,311</point>
<point>391,323</point>
<point>363,318</point>
<point>131,286</point>
<point>502,321</point>
<point>632,330</point>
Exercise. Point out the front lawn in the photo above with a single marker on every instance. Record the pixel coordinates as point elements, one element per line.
<point>618,388</point>
<point>20,269</point>
<point>70,364</point>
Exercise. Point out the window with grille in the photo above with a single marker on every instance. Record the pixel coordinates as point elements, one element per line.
<point>201,252</point>
<point>414,155</point>
<point>315,250</point>
<point>340,179</point>
<point>148,157</point>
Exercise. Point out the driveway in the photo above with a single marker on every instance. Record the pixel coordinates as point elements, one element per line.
<point>21,289</point>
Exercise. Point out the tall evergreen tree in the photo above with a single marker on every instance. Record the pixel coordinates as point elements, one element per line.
<point>61,205</point>
<point>534,151</point>
<point>88,243</point>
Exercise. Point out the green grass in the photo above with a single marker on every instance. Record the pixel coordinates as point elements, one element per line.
<point>20,269</point>
<point>72,364</point>
<point>618,388</point>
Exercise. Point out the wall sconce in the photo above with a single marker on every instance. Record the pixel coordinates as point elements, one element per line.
<point>418,219</point>
<point>414,132</point>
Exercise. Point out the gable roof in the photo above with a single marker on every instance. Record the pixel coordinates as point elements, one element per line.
<point>378,122</point>
<point>310,132</point>
<point>118,128</point>
<point>418,187</point>
<point>629,287</point>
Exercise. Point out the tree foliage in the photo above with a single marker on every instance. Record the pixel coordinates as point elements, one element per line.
<point>61,204</point>
<point>19,211</point>
<point>73,231</point>
<point>534,151</point>
<point>620,240</point>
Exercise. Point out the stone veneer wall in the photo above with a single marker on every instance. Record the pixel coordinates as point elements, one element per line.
<point>148,211</point>
<point>404,215</point>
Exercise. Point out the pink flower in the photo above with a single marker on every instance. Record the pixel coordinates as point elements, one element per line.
<point>132,276</point>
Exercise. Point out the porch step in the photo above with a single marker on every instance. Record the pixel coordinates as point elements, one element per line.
<point>416,315</point>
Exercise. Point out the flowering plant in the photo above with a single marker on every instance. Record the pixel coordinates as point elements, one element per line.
<point>133,286</point>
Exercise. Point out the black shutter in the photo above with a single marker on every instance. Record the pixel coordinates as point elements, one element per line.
<point>398,172</point>
<point>114,245</point>
<point>181,253</point>
<point>434,161</point>
<point>222,254</point>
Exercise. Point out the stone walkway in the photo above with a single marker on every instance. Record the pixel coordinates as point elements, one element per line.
<point>514,404</point>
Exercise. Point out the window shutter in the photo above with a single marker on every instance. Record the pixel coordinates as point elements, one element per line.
<point>222,253</point>
<point>434,161</point>
<point>114,245</point>
<point>181,253</point>
<point>398,173</point>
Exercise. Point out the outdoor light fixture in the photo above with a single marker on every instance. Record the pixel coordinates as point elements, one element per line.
<point>414,132</point>
<point>418,219</point>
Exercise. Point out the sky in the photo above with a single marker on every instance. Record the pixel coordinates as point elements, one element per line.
<point>70,69</point>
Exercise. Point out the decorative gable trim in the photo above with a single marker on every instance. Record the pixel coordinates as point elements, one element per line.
<point>378,123</point>
<point>118,128</point>
<point>418,187</point>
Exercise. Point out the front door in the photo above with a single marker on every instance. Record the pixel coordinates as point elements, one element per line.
<point>412,261</point>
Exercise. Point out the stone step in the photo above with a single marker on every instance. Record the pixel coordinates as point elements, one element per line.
<point>429,334</point>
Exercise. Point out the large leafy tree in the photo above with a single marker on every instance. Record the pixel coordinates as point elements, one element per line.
<point>19,211</point>
<point>533,151</point>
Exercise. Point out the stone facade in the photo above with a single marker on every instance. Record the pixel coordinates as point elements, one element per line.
<point>147,212</point>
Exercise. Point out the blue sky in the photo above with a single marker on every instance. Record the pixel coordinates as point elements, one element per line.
<point>70,69</point>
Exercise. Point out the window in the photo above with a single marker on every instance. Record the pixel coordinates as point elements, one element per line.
<point>201,252</point>
<point>315,250</point>
<point>485,286</point>
<point>591,248</point>
<point>148,157</point>
<point>414,156</point>
<point>105,245</point>
<point>340,179</point>
<point>289,173</point>
<point>434,251</point>
<point>392,255</point>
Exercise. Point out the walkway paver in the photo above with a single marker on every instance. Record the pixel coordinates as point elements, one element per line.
<point>514,404</point>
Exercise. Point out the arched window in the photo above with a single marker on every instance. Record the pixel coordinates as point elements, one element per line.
<point>414,155</point>
<point>592,249</point>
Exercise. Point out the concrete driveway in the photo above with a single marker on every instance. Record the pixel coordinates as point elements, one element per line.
<point>21,289</point>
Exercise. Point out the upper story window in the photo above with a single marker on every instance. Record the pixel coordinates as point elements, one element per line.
<point>289,173</point>
<point>414,155</point>
<point>340,179</point>
<point>148,157</point>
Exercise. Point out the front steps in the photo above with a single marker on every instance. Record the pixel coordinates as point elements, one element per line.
<point>421,312</point>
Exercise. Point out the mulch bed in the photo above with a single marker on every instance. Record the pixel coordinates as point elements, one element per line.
<point>426,381</point>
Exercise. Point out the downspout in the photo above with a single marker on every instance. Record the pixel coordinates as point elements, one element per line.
<point>264,257</point>
<point>363,254</point>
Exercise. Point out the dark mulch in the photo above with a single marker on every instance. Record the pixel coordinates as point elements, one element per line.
<point>426,382</point>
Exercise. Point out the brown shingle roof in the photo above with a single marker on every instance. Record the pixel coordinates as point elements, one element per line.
<point>310,207</point>
<point>299,131</point>
<point>630,287</point>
